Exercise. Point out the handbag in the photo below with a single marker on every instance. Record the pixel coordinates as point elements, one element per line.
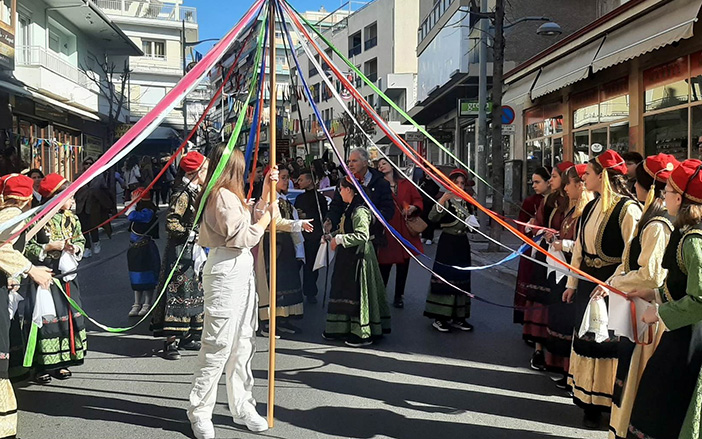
<point>415,224</point>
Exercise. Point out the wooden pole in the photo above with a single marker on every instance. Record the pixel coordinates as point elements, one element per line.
<point>274,196</point>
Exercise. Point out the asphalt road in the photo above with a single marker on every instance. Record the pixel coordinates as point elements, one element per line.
<point>417,383</point>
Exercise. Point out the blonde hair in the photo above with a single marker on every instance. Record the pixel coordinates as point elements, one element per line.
<point>232,177</point>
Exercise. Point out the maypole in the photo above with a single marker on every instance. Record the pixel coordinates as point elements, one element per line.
<point>273,96</point>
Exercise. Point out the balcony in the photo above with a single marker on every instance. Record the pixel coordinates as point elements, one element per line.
<point>152,10</point>
<point>39,57</point>
<point>355,50</point>
<point>370,43</point>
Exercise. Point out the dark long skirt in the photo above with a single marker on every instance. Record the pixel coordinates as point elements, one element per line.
<point>667,385</point>
<point>144,265</point>
<point>443,301</point>
<point>62,340</point>
<point>536,302</point>
<point>593,365</point>
<point>180,311</point>
<point>561,321</point>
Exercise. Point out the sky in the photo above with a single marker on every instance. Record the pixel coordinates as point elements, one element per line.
<point>215,20</point>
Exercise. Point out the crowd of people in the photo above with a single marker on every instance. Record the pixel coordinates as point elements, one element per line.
<point>634,225</point>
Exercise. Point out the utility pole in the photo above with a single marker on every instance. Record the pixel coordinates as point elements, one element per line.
<point>185,105</point>
<point>481,147</point>
<point>498,164</point>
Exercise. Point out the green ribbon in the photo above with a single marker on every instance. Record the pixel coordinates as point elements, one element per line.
<point>33,333</point>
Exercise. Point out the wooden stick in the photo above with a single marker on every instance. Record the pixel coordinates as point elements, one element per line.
<point>274,196</point>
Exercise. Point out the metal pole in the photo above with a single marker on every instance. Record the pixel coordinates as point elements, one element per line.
<point>185,102</point>
<point>498,163</point>
<point>481,129</point>
<point>274,196</point>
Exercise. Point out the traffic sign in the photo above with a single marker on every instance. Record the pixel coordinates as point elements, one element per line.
<point>509,130</point>
<point>508,115</point>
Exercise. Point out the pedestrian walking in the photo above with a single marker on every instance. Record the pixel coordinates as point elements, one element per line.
<point>358,312</point>
<point>608,224</point>
<point>15,196</point>
<point>311,205</point>
<point>539,183</point>
<point>408,207</point>
<point>228,339</point>
<point>561,315</point>
<point>143,259</point>
<point>93,207</point>
<point>448,307</point>
<point>668,384</point>
<point>178,316</point>
<point>132,176</point>
<point>59,246</point>
<point>641,268</point>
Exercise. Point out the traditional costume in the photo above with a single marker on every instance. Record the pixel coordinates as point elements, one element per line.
<point>358,310</point>
<point>61,339</point>
<point>607,224</point>
<point>641,268</point>
<point>526,267</point>
<point>667,385</point>
<point>444,303</point>
<point>143,259</point>
<point>14,265</point>
<point>180,311</point>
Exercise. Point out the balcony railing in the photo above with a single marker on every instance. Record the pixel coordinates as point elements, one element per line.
<point>145,9</point>
<point>355,50</point>
<point>370,43</point>
<point>39,56</point>
<point>440,7</point>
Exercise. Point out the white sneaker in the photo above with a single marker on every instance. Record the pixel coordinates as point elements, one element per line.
<point>144,309</point>
<point>87,253</point>
<point>428,242</point>
<point>97,248</point>
<point>135,310</point>
<point>203,429</point>
<point>252,420</point>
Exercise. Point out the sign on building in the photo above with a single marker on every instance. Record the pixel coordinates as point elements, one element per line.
<point>7,34</point>
<point>467,107</point>
<point>414,136</point>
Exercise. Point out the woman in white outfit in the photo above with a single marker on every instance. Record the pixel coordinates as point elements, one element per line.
<point>229,332</point>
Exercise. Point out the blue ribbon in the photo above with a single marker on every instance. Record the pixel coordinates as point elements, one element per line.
<point>257,114</point>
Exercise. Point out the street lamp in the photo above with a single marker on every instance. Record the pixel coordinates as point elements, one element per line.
<point>183,45</point>
<point>549,29</point>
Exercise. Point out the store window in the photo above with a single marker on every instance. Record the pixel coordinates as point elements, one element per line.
<point>544,137</point>
<point>601,120</point>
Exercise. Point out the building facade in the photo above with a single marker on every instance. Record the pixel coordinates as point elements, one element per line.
<point>629,81</point>
<point>54,106</point>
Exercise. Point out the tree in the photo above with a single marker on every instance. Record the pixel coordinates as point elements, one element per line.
<point>355,137</point>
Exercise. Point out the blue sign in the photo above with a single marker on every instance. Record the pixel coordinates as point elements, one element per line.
<point>507,115</point>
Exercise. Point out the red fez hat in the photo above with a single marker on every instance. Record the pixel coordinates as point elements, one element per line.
<point>686,179</point>
<point>564,166</point>
<point>580,169</point>
<point>192,162</point>
<point>50,184</point>
<point>140,192</point>
<point>16,186</point>
<point>612,161</point>
<point>457,172</point>
<point>660,166</point>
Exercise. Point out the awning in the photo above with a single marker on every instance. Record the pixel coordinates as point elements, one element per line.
<point>670,23</point>
<point>566,70</point>
<point>16,89</point>
<point>518,91</point>
<point>59,104</point>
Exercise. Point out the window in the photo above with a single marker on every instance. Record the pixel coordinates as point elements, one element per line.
<point>370,69</point>
<point>544,134</point>
<point>666,85</point>
<point>355,47</point>
<point>667,133</point>
<point>154,49</point>
<point>313,71</point>
<point>315,93</point>
<point>371,35</point>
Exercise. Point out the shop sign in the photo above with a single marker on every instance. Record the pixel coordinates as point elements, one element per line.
<point>471,108</point>
<point>442,136</point>
<point>414,136</point>
<point>696,64</point>
<point>48,112</point>
<point>122,129</point>
<point>666,73</point>
<point>7,35</point>
<point>584,99</point>
<point>92,146</point>
<point>614,89</point>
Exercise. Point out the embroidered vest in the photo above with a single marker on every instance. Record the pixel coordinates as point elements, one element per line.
<point>675,286</point>
<point>631,258</point>
<point>609,244</point>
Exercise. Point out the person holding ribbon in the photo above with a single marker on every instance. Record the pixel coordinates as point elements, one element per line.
<point>550,216</point>
<point>408,206</point>
<point>641,268</point>
<point>561,316</point>
<point>15,196</point>
<point>358,312</point>
<point>607,225</point>
<point>178,315</point>
<point>667,385</point>
<point>56,330</point>
<point>143,259</point>
<point>231,302</point>
<point>448,307</point>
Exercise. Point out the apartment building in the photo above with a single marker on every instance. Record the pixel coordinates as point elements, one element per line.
<point>50,77</point>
